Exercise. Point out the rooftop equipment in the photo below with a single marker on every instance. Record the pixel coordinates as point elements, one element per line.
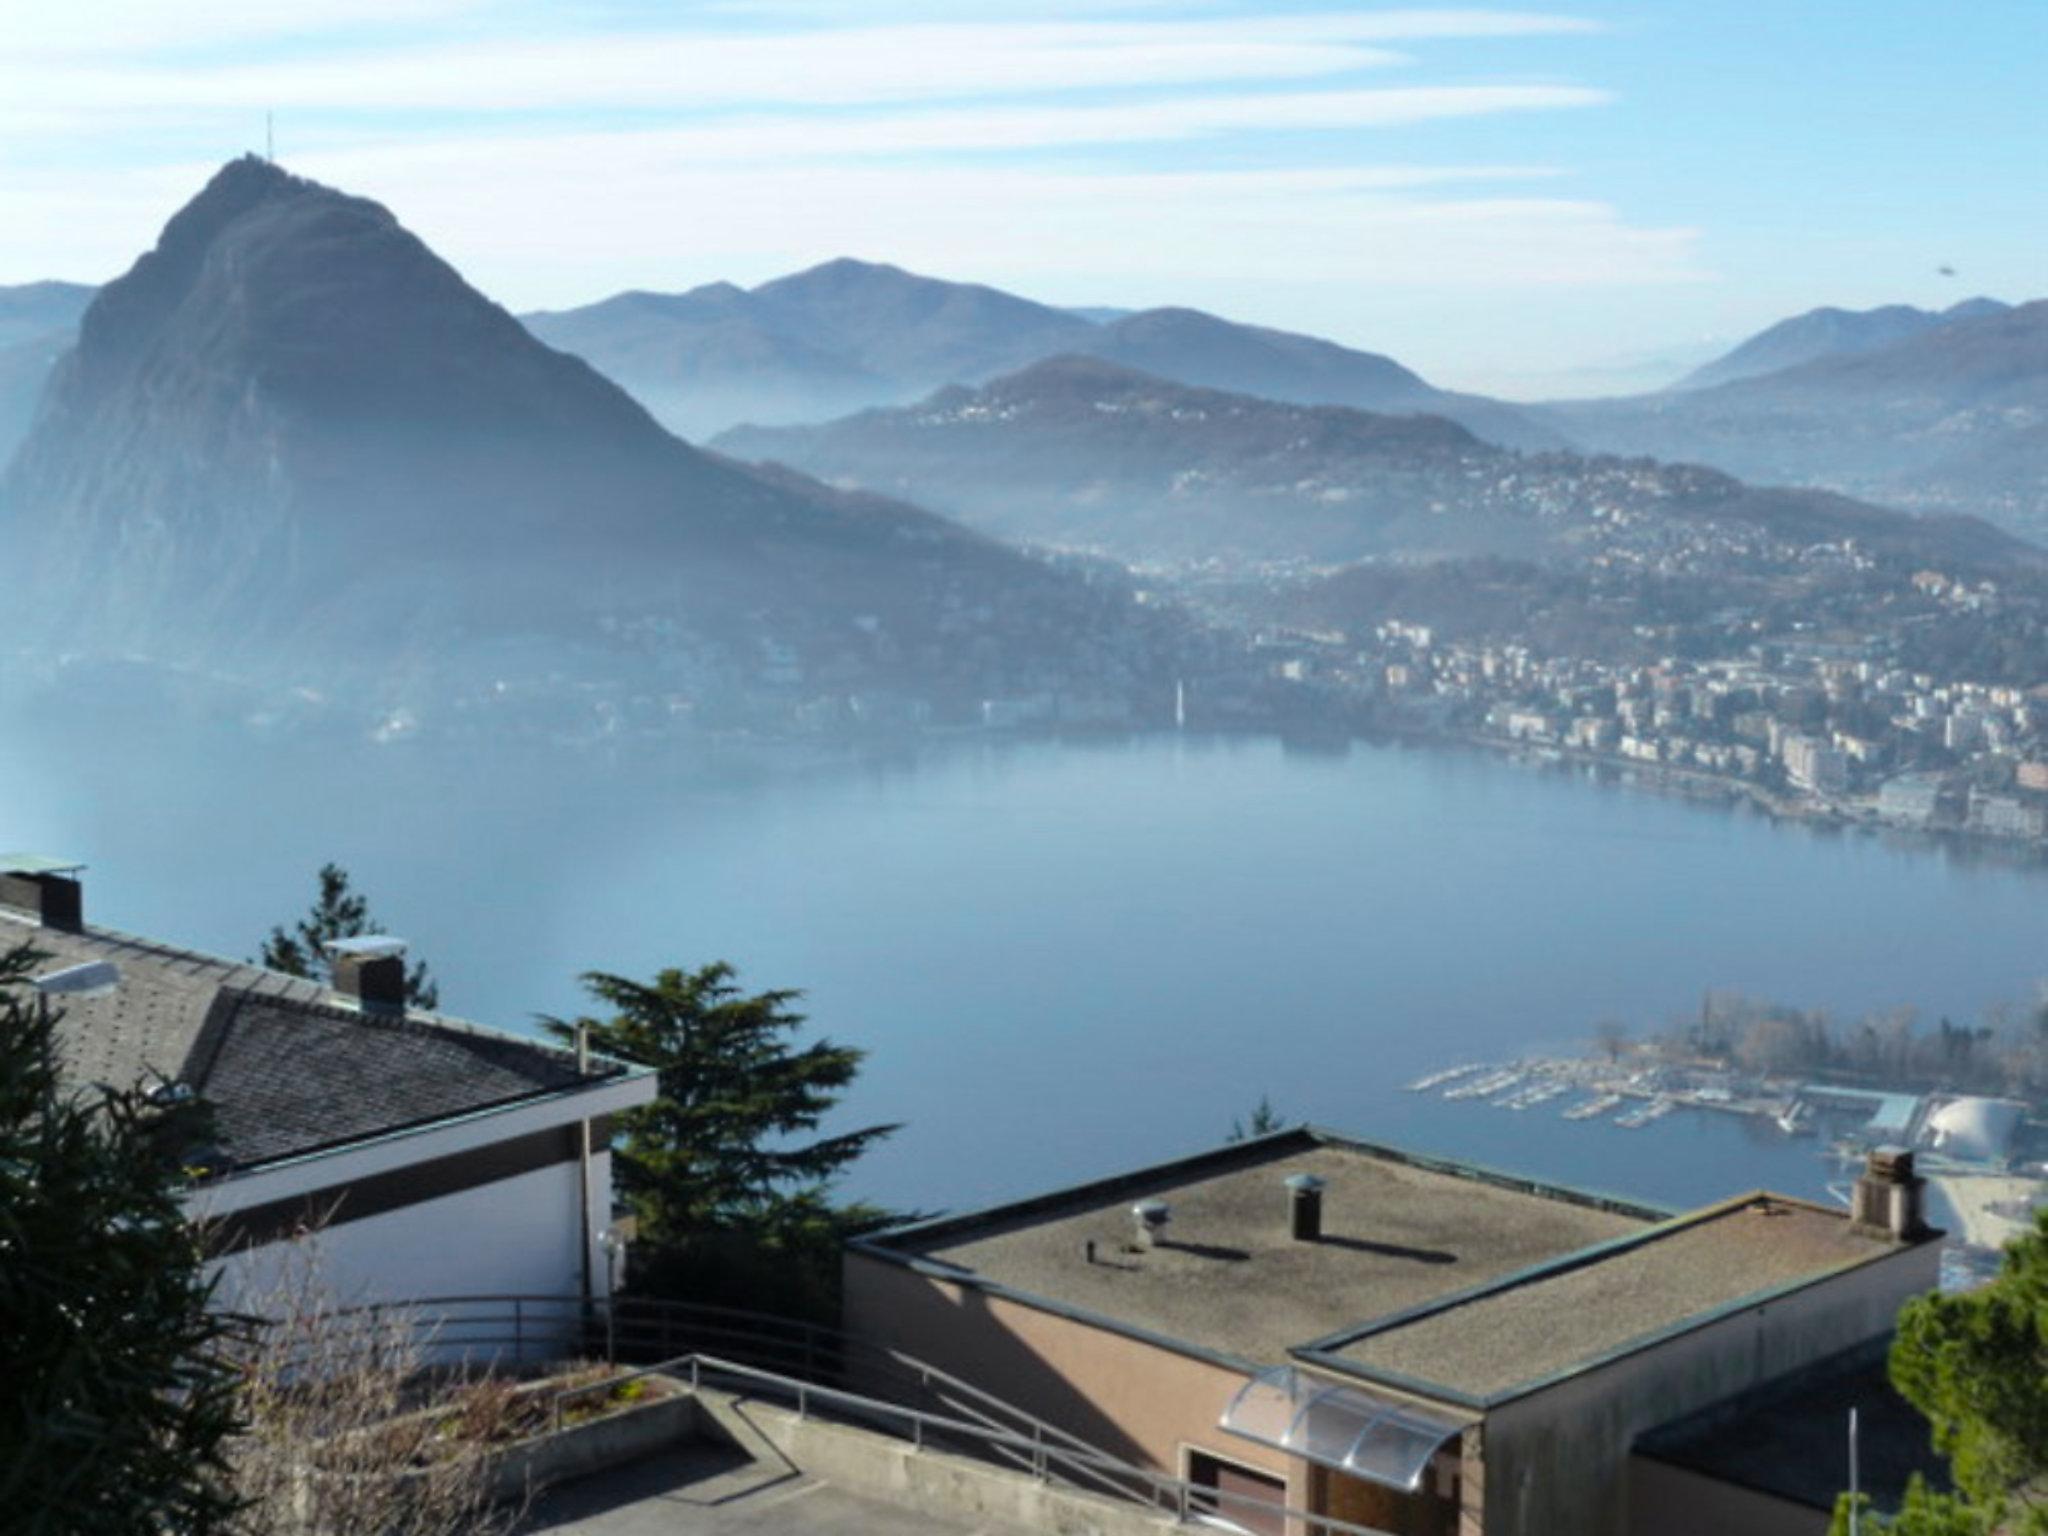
<point>1148,1220</point>
<point>369,971</point>
<point>46,889</point>
<point>1305,1207</point>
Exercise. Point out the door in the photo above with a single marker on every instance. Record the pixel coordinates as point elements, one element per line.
<point>1238,1498</point>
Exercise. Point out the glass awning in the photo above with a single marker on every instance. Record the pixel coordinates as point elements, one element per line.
<point>1349,1428</point>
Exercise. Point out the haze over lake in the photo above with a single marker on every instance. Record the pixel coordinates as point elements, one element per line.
<point>1072,957</point>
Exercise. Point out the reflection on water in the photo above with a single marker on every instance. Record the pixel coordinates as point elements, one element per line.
<point>1069,958</point>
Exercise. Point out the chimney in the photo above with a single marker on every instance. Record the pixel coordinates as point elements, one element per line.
<point>1305,1207</point>
<point>369,972</point>
<point>45,889</point>
<point>1886,1201</point>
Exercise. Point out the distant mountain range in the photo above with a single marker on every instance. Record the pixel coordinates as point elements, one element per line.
<point>851,334</point>
<point>1950,416</point>
<point>1829,332</point>
<point>1080,452</point>
<point>293,440</point>
<point>38,323</point>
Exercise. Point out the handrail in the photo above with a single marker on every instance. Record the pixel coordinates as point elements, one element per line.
<point>908,1370</point>
<point>1036,1445</point>
<point>1182,1498</point>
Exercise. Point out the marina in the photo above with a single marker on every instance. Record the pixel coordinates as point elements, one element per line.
<point>1986,1158</point>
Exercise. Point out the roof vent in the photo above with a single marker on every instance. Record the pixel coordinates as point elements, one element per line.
<point>46,889</point>
<point>369,971</point>
<point>1305,1207</point>
<point>1148,1220</point>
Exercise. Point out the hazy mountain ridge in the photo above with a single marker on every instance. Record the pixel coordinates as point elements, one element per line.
<point>292,436</point>
<point>1949,418</point>
<point>38,323</point>
<point>1076,451</point>
<point>850,334</point>
<point>1830,332</point>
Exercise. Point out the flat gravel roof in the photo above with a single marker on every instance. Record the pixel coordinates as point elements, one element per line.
<point>1226,1275</point>
<point>1574,1315</point>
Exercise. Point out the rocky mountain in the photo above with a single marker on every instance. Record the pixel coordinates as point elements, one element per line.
<point>1083,453</point>
<point>292,440</point>
<point>38,322</point>
<point>850,334</point>
<point>1949,418</point>
<point>1830,332</point>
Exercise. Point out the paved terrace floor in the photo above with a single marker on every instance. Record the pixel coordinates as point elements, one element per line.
<point>701,1490</point>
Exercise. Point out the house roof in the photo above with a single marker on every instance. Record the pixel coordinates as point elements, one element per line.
<point>1529,1329</point>
<point>1227,1278</point>
<point>288,1068</point>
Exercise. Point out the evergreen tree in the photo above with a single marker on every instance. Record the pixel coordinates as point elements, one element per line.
<point>731,1202</point>
<point>117,1403</point>
<point>338,912</point>
<point>1976,1364</point>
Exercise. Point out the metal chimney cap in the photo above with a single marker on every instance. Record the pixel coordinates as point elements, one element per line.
<point>1304,1183</point>
<point>95,978</point>
<point>369,946</point>
<point>1154,1213</point>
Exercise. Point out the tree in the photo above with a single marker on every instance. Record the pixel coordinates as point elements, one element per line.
<point>1976,1364</point>
<point>337,913</point>
<point>1264,1121</point>
<point>119,1402</point>
<point>730,1202</point>
<point>1611,1035</point>
<point>335,1442</point>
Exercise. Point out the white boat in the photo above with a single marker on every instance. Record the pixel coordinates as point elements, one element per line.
<point>1438,1079</point>
<point>1636,1119</point>
<point>1593,1108</point>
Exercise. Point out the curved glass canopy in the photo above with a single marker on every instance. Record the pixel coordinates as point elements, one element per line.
<point>1349,1428</point>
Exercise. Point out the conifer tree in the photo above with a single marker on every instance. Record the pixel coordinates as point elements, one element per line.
<point>117,1401</point>
<point>338,912</point>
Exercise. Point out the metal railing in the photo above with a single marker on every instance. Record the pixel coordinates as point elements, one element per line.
<point>806,1365</point>
<point>1045,1457</point>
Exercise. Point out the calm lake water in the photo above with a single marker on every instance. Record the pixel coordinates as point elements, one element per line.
<point>1071,958</point>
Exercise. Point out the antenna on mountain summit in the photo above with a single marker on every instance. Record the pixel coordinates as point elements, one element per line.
<point>270,137</point>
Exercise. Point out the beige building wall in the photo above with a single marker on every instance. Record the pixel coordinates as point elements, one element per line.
<point>1559,1459</point>
<point>1142,1402</point>
<point>1676,1501</point>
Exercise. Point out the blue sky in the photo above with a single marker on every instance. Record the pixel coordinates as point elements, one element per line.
<point>1525,199</point>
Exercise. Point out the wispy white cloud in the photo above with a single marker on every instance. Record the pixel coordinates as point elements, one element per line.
<point>683,71</point>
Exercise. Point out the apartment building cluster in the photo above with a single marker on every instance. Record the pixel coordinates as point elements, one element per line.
<point>1834,725</point>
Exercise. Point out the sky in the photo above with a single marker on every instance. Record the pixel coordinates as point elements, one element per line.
<point>1534,200</point>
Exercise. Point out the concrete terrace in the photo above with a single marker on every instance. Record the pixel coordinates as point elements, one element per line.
<point>1581,1310</point>
<point>1398,1232</point>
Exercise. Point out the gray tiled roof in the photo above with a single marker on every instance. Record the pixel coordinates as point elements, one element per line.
<point>286,1067</point>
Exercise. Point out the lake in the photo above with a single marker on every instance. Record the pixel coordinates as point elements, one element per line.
<point>1069,958</point>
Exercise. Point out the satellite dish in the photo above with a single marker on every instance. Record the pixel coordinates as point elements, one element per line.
<point>369,946</point>
<point>95,978</point>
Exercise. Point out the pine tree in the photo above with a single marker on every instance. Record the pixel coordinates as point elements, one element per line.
<point>337,913</point>
<point>118,1402</point>
<point>1976,1364</point>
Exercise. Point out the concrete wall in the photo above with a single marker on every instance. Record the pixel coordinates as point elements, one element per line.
<point>1676,1501</point>
<point>1141,1402</point>
<point>1559,1459</point>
